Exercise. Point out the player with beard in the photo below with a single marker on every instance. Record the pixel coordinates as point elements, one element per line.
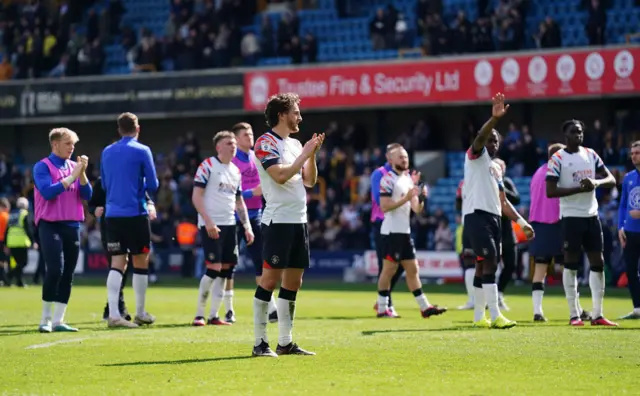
<point>285,168</point>
<point>377,215</point>
<point>485,204</point>
<point>572,176</point>
<point>400,193</point>
<point>252,194</point>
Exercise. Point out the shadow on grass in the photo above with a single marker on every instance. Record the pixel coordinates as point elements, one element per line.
<point>335,317</point>
<point>183,361</point>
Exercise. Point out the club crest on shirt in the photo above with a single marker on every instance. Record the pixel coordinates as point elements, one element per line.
<point>634,198</point>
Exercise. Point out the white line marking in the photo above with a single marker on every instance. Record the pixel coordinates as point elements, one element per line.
<point>54,343</point>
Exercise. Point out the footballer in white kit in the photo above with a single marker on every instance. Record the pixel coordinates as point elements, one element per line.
<point>285,168</point>
<point>399,195</point>
<point>573,174</point>
<point>484,202</point>
<point>217,195</point>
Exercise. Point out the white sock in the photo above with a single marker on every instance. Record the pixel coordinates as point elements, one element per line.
<point>422,301</point>
<point>491,296</point>
<point>114,281</point>
<point>286,313</point>
<point>570,283</point>
<point>140,284</point>
<point>469,274</point>
<point>580,309</point>
<point>203,294</point>
<point>479,304</point>
<point>228,300</point>
<point>636,310</point>
<point>383,304</point>
<point>46,312</point>
<point>596,284</point>
<point>500,296</point>
<point>272,305</point>
<point>260,319</point>
<point>217,293</point>
<point>537,302</point>
<point>59,309</point>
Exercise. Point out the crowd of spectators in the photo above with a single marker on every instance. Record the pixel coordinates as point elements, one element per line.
<point>41,38</point>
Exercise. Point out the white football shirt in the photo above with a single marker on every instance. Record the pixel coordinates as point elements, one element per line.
<point>222,187</point>
<point>396,186</point>
<point>482,184</point>
<point>285,203</point>
<point>568,169</point>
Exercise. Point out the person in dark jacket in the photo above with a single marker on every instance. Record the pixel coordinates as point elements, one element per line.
<point>96,208</point>
<point>509,244</point>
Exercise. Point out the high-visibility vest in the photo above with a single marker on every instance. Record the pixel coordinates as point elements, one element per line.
<point>17,236</point>
<point>186,234</point>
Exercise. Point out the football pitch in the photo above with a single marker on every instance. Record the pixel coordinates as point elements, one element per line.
<point>357,354</point>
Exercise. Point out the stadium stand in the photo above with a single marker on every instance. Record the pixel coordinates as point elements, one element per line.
<point>148,35</point>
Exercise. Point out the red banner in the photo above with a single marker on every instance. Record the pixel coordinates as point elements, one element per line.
<point>535,75</point>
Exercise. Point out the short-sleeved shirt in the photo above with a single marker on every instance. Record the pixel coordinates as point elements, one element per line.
<point>287,202</point>
<point>222,187</point>
<point>396,186</point>
<point>482,184</point>
<point>568,169</point>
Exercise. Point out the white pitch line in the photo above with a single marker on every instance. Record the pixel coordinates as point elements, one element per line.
<point>54,343</point>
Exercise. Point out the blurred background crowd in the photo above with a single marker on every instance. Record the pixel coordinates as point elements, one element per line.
<point>59,38</point>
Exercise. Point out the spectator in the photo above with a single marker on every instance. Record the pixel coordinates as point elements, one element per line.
<point>310,48</point>
<point>444,237</point>
<point>60,69</point>
<point>378,29</point>
<point>597,23</point>
<point>287,28</point>
<point>295,50</point>
<point>250,49</point>
<point>461,34</point>
<point>402,33</point>
<point>482,34</point>
<point>267,35</point>
<point>116,11</point>
<point>6,69</point>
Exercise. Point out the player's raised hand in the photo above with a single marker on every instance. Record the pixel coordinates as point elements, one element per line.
<point>320,141</point>
<point>499,108</point>
<point>248,234</point>
<point>310,147</point>
<point>414,192</point>
<point>415,177</point>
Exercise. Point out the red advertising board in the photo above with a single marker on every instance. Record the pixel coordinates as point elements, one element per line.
<point>534,75</point>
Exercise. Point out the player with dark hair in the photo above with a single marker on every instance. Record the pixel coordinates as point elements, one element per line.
<point>128,174</point>
<point>217,196</point>
<point>285,167</point>
<point>96,208</point>
<point>629,228</point>
<point>377,216</point>
<point>252,195</point>
<point>485,203</point>
<point>546,248</point>
<point>573,174</point>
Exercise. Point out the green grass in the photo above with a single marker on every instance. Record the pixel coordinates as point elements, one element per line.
<point>357,353</point>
